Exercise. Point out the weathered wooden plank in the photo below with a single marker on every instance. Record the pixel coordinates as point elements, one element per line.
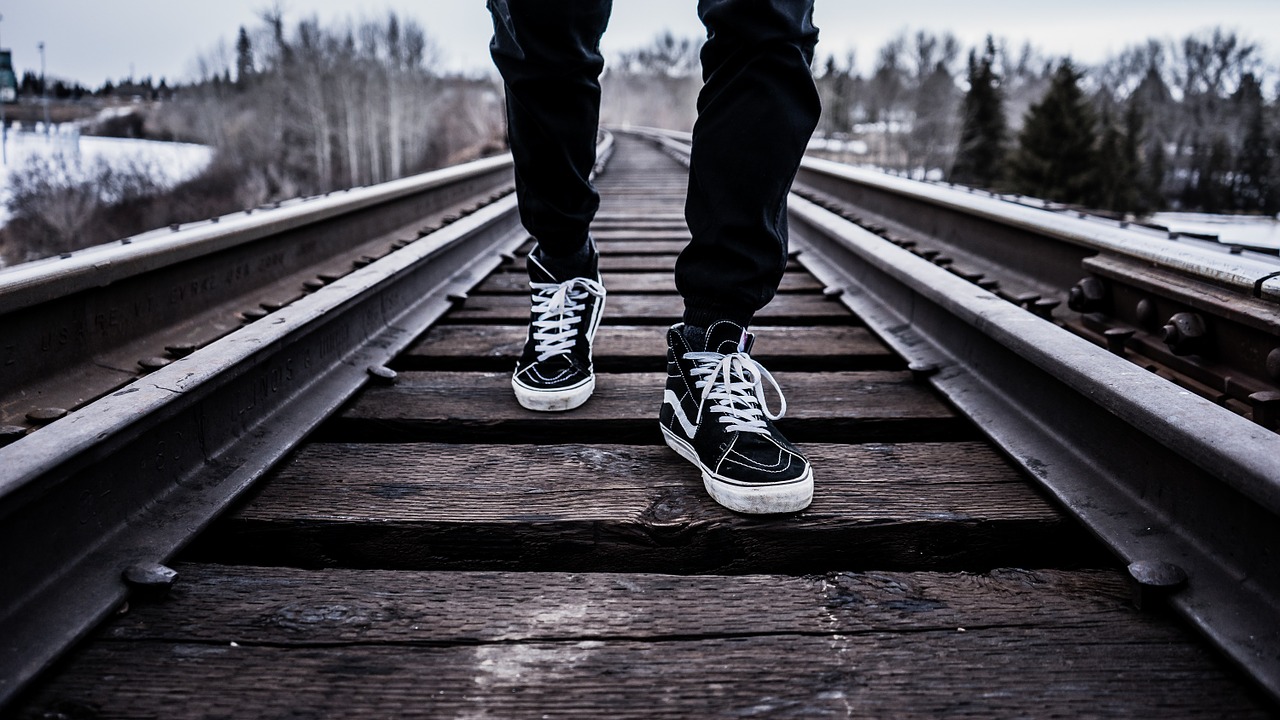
<point>625,348</point>
<point>517,283</point>
<point>471,406</point>
<point>632,263</point>
<point>629,247</point>
<point>625,236</point>
<point>654,310</point>
<point>284,643</point>
<point>288,606</point>
<point>638,509</point>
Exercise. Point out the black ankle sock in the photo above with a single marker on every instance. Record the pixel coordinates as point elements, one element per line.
<point>583,263</point>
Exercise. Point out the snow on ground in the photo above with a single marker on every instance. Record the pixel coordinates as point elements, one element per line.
<point>168,163</point>
<point>1247,230</point>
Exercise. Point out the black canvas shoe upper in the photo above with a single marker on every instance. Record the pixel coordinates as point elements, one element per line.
<point>714,401</point>
<point>562,323</point>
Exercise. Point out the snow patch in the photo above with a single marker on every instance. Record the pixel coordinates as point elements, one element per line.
<point>1247,230</point>
<point>169,163</point>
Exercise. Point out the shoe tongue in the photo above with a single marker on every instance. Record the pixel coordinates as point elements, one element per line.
<point>725,337</point>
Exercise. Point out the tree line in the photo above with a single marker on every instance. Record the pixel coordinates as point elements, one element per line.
<point>1185,125</point>
<point>292,109</point>
<point>299,108</point>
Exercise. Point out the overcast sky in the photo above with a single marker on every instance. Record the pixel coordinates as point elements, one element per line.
<point>92,40</point>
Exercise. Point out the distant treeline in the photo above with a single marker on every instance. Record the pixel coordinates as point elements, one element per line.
<point>297,108</point>
<point>1185,124</point>
<point>293,110</point>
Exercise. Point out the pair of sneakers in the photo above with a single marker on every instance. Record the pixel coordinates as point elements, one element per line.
<point>713,411</point>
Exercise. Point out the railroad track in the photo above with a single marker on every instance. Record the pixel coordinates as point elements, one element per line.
<point>433,549</point>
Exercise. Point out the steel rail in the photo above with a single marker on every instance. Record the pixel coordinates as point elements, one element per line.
<point>117,487</point>
<point>1204,316</point>
<point>75,327</point>
<point>1184,490</point>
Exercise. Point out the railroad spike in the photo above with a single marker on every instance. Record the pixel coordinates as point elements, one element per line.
<point>1153,580</point>
<point>11,433</point>
<point>1117,338</point>
<point>922,370</point>
<point>150,576</point>
<point>1273,364</point>
<point>151,364</point>
<point>382,375</point>
<point>1266,409</point>
<point>1044,307</point>
<point>46,415</point>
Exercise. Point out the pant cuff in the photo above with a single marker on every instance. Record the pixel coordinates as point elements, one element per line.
<point>704,316</point>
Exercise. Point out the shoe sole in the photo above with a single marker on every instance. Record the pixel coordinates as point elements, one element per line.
<point>553,400</point>
<point>753,498</point>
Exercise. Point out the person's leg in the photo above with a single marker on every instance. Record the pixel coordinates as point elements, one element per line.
<point>756,112</point>
<point>757,109</point>
<point>548,54</point>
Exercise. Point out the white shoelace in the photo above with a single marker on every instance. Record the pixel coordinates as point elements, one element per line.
<point>559,309</point>
<point>734,384</point>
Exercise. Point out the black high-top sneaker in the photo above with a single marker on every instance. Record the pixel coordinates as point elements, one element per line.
<point>714,414</point>
<point>554,371</point>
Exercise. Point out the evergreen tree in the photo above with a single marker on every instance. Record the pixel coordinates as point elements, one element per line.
<point>1253,190</point>
<point>1115,185</point>
<point>1055,156</point>
<point>981,153</point>
<point>244,58</point>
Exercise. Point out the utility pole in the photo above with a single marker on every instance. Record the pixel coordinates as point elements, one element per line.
<point>44,90</point>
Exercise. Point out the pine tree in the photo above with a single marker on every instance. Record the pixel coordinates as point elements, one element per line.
<point>1253,189</point>
<point>1055,156</point>
<point>981,154</point>
<point>244,58</point>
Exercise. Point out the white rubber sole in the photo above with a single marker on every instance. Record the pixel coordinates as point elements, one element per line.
<point>753,499</point>
<point>553,400</point>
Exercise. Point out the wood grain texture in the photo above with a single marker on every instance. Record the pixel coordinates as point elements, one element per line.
<point>623,348</point>
<point>280,643</point>
<point>654,310</point>
<point>636,508</point>
<point>517,283</point>
<point>468,406</point>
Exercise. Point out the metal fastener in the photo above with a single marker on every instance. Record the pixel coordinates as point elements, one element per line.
<point>253,314</point>
<point>180,350</point>
<point>1117,338</point>
<point>11,434</point>
<point>1146,312</point>
<point>1185,333</point>
<point>150,576</point>
<point>1273,364</point>
<point>1044,307</point>
<point>1266,408</point>
<point>1089,295</point>
<point>151,364</point>
<point>312,284</point>
<point>46,415</point>
<point>1153,579</point>
<point>382,375</point>
<point>832,292</point>
<point>922,370</point>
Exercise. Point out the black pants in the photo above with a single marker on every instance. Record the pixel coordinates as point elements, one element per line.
<point>756,111</point>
